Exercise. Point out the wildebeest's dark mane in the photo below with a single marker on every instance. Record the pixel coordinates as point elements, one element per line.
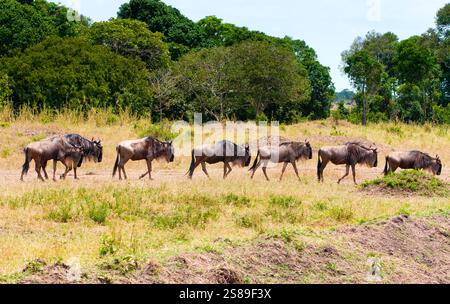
<point>360,144</point>
<point>286,143</point>
<point>428,156</point>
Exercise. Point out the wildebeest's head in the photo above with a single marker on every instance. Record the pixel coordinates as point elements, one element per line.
<point>436,166</point>
<point>169,152</point>
<point>372,158</point>
<point>248,156</point>
<point>309,149</point>
<point>96,151</point>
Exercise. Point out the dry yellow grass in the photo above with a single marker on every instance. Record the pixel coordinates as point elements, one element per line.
<point>96,217</point>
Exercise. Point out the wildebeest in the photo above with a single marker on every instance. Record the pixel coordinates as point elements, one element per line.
<point>287,153</point>
<point>92,151</point>
<point>147,149</point>
<point>412,160</point>
<point>224,151</point>
<point>350,155</point>
<point>55,148</point>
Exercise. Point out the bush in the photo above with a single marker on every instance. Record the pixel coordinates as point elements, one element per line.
<point>161,131</point>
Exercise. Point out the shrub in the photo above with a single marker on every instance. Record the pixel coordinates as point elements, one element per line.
<point>62,213</point>
<point>340,214</point>
<point>98,212</point>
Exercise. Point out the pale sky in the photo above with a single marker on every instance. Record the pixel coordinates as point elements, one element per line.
<point>328,26</point>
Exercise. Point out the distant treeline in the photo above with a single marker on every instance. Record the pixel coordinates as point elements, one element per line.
<point>153,60</point>
<point>405,80</point>
<point>156,62</point>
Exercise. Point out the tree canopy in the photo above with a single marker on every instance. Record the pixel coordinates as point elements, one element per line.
<point>156,61</point>
<point>406,80</point>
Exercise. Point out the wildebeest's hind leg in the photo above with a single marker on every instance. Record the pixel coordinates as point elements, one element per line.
<point>347,172</point>
<point>264,168</point>
<point>282,171</point>
<point>256,168</point>
<point>321,168</point>
<point>121,165</point>
<point>204,169</point>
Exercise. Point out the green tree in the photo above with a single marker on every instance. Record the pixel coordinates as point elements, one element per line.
<point>5,90</point>
<point>322,88</point>
<point>204,75</point>
<point>365,73</point>
<point>264,74</point>
<point>72,73</point>
<point>181,32</point>
<point>443,21</point>
<point>27,23</point>
<point>415,64</point>
<point>132,38</point>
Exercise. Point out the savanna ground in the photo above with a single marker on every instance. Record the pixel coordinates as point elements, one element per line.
<point>173,230</point>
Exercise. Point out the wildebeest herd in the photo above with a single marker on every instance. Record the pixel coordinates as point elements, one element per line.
<point>72,149</point>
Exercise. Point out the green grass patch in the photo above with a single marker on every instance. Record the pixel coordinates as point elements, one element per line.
<point>409,181</point>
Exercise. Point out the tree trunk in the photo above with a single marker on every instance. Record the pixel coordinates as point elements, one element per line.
<point>364,114</point>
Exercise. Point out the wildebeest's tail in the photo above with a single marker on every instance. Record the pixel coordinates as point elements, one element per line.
<point>319,166</point>
<point>192,166</point>
<point>26,165</point>
<point>116,164</point>
<point>386,167</point>
<point>255,163</point>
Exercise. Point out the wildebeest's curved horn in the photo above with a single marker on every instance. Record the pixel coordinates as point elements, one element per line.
<point>437,157</point>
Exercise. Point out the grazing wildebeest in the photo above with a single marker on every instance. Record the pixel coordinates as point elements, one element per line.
<point>146,148</point>
<point>224,152</point>
<point>350,155</point>
<point>55,148</point>
<point>412,160</point>
<point>92,151</point>
<point>287,153</point>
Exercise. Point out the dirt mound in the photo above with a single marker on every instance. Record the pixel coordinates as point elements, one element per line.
<point>421,248</point>
<point>58,273</point>
<point>408,182</point>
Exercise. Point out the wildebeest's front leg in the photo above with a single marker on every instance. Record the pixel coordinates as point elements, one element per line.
<point>354,174</point>
<point>44,168</point>
<point>55,162</point>
<point>149,167</point>
<point>226,169</point>
<point>347,172</point>
<point>38,166</point>
<point>75,170</point>
<point>294,164</point>
<point>204,169</point>
<point>284,169</point>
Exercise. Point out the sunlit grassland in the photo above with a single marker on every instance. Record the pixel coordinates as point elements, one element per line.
<point>94,220</point>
